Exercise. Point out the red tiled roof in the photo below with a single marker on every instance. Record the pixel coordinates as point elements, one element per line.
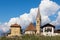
<point>30,28</point>
<point>15,25</point>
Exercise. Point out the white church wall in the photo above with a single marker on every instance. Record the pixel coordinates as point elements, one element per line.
<point>48,33</point>
<point>29,32</point>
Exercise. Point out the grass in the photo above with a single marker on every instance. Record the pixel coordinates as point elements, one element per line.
<point>32,37</point>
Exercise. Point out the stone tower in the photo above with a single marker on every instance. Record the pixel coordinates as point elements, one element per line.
<point>15,30</point>
<point>38,22</point>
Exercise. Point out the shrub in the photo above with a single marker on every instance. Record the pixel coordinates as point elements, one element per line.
<point>32,37</point>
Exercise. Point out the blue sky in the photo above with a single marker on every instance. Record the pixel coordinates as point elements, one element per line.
<point>14,8</point>
<point>24,12</point>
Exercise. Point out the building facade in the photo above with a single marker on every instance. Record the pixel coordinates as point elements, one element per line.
<point>30,29</point>
<point>15,30</point>
<point>48,29</point>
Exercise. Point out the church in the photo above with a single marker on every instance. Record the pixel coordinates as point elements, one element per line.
<point>35,30</point>
<point>46,30</point>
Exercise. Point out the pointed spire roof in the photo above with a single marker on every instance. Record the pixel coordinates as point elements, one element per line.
<point>38,13</point>
<point>30,27</point>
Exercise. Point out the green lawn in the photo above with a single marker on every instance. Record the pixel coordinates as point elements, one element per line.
<point>32,37</point>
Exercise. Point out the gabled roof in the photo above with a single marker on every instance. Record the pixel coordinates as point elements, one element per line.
<point>30,27</point>
<point>15,25</point>
<point>47,25</point>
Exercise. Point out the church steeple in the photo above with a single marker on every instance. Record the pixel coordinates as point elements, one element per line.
<point>38,22</point>
<point>38,14</point>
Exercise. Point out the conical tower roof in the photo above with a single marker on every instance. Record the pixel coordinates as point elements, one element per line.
<point>30,27</point>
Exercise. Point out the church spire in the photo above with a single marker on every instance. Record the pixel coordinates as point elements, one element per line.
<point>38,21</point>
<point>38,13</point>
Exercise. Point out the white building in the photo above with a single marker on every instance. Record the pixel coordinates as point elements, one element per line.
<point>48,30</point>
<point>30,29</point>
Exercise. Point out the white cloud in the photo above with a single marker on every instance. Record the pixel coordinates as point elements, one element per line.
<point>12,21</point>
<point>57,21</point>
<point>33,13</point>
<point>48,7</point>
<point>4,27</point>
<point>59,13</point>
<point>45,19</point>
<point>25,19</point>
<point>45,0</point>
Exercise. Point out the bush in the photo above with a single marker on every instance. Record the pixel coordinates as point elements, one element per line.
<point>32,37</point>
